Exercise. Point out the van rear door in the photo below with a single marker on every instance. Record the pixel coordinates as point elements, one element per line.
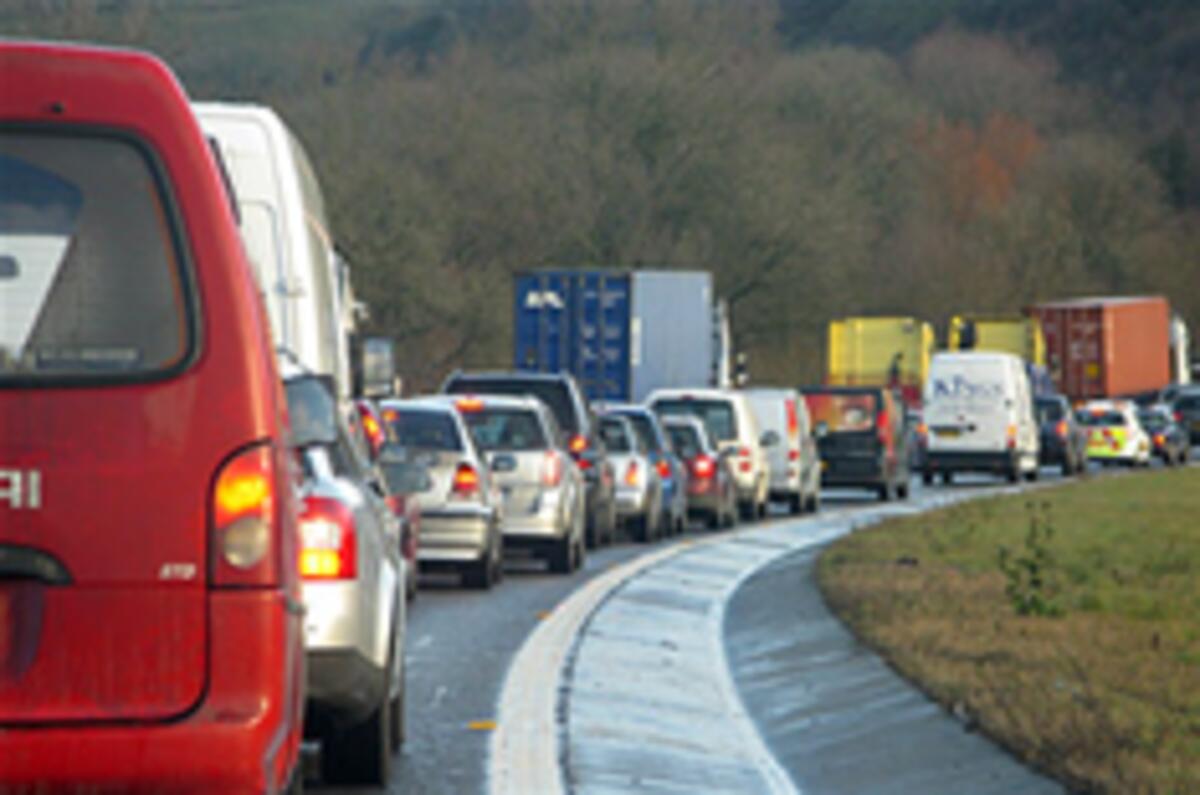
<point>971,405</point>
<point>103,510</point>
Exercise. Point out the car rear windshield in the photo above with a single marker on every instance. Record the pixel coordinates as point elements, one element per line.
<point>1153,420</point>
<point>1049,411</point>
<point>685,441</point>
<point>644,427</point>
<point>616,440</point>
<point>1101,419</point>
<point>843,411</point>
<point>424,430</point>
<point>554,394</point>
<point>91,284</point>
<point>718,415</point>
<point>1188,403</point>
<point>511,430</point>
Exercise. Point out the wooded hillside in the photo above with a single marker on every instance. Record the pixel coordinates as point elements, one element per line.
<point>821,157</point>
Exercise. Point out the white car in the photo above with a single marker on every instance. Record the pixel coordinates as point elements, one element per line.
<point>732,423</point>
<point>638,486</point>
<point>793,459</point>
<point>1114,434</point>
<point>979,417</point>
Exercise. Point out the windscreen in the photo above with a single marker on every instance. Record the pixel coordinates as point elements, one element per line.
<point>405,476</point>
<point>1188,403</point>
<point>644,428</point>
<point>1049,411</point>
<point>424,430</point>
<point>553,394</point>
<point>1101,418</point>
<point>90,281</point>
<point>613,434</point>
<point>717,415</point>
<point>1153,420</point>
<point>842,412</point>
<point>685,441</point>
<point>506,430</point>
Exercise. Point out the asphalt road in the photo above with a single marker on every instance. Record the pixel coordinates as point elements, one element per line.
<point>460,644</point>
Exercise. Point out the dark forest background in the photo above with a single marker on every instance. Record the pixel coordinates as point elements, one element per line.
<point>820,157</point>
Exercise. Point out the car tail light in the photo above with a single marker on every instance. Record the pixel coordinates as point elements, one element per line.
<point>632,474</point>
<point>328,546</point>
<point>922,433</point>
<point>1011,436</point>
<point>469,405</point>
<point>704,467</point>
<point>793,420</point>
<point>1160,439</point>
<point>245,532</point>
<point>373,430</point>
<point>466,482</point>
<point>745,464</point>
<point>793,455</point>
<point>664,469</point>
<point>1061,429</point>
<point>584,464</point>
<point>883,426</point>
<point>578,444</point>
<point>1179,416</point>
<point>390,415</point>
<point>552,469</point>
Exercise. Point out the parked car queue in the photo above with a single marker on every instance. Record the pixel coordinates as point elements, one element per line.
<point>133,282</point>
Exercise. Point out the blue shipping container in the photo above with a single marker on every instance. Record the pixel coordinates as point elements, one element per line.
<point>621,334</point>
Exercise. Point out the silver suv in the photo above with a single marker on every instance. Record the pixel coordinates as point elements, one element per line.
<point>460,517</point>
<point>543,490</point>
<point>353,591</point>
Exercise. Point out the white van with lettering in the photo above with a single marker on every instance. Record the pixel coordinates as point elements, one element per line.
<point>979,417</point>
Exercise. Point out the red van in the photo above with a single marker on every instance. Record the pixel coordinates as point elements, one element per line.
<point>150,622</point>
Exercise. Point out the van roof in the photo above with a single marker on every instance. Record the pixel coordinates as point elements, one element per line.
<point>975,356</point>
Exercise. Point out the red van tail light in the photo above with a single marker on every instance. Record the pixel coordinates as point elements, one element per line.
<point>1012,437</point>
<point>245,534</point>
<point>664,469</point>
<point>744,462</point>
<point>793,419</point>
<point>552,469</point>
<point>883,426</point>
<point>466,482</point>
<point>328,546</point>
<point>704,467</point>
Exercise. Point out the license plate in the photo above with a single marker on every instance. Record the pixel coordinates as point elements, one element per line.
<point>948,433</point>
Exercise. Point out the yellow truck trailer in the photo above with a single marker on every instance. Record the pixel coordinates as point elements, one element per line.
<point>1016,334</point>
<point>880,351</point>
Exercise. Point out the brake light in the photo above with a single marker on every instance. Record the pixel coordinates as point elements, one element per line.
<point>328,546</point>
<point>469,405</point>
<point>793,421</point>
<point>632,474</point>
<point>664,469</point>
<point>1061,429</point>
<point>704,467</point>
<point>245,533</point>
<point>922,433</point>
<point>390,415</point>
<point>1179,416</point>
<point>372,429</point>
<point>552,469</point>
<point>1011,435</point>
<point>1160,439</point>
<point>883,426</point>
<point>578,444</point>
<point>793,455</point>
<point>744,462</point>
<point>466,482</point>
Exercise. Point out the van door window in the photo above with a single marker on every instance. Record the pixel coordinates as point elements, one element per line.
<point>91,282</point>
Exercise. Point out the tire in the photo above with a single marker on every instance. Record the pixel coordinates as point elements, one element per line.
<point>1033,475</point>
<point>760,511</point>
<point>1068,468</point>
<point>715,520</point>
<point>948,478</point>
<point>902,491</point>
<point>746,511</point>
<point>362,754</point>
<point>884,492</point>
<point>927,477</point>
<point>1014,474</point>
<point>814,502</point>
<point>481,575</point>
<point>796,504</point>
<point>561,558</point>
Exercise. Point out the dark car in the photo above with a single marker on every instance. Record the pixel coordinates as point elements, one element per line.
<point>566,402</point>
<point>1187,412</point>
<point>151,629</point>
<point>862,439</point>
<point>1169,441</point>
<point>1063,441</point>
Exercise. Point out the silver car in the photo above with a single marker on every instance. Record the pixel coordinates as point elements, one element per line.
<point>639,488</point>
<point>460,507</point>
<point>353,592</point>
<point>545,506</point>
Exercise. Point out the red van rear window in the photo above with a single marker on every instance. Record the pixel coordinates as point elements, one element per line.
<point>842,411</point>
<point>90,279</point>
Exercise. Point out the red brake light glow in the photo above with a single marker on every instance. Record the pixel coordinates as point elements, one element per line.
<point>469,405</point>
<point>328,547</point>
<point>793,455</point>
<point>793,421</point>
<point>552,469</point>
<point>664,468</point>
<point>632,474</point>
<point>244,527</point>
<point>1061,429</point>
<point>578,443</point>
<point>466,481</point>
<point>704,467</point>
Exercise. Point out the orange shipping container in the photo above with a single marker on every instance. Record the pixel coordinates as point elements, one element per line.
<point>1107,347</point>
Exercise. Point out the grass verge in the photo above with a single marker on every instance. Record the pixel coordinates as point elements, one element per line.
<point>1064,623</point>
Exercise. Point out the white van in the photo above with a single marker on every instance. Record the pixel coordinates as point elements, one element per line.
<point>732,424</point>
<point>793,460</point>
<point>979,417</point>
<point>287,235</point>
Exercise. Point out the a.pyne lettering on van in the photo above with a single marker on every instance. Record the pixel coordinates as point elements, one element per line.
<point>960,387</point>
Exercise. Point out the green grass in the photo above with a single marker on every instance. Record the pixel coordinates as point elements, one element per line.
<point>1098,683</point>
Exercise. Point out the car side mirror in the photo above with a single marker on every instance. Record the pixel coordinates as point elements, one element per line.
<point>503,462</point>
<point>378,364</point>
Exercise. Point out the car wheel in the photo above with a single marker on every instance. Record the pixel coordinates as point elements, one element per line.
<point>796,504</point>
<point>746,511</point>
<point>562,555</point>
<point>927,477</point>
<point>481,574</point>
<point>814,502</point>
<point>884,492</point>
<point>902,491</point>
<point>947,478</point>
<point>398,731</point>
<point>1014,474</point>
<point>1032,475</point>
<point>1068,469</point>
<point>361,755</point>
